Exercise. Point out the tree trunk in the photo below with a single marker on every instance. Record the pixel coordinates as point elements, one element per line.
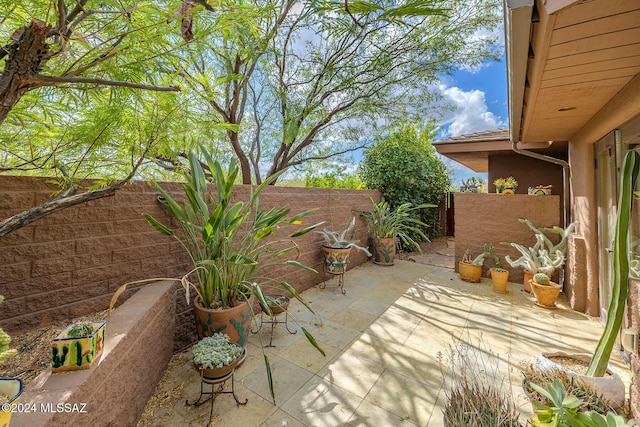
<point>27,55</point>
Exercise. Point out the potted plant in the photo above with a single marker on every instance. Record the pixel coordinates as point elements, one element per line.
<point>337,248</point>
<point>544,256</point>
<point>499,276</point>
<point>540,190</point>
<point>216,356</point>
<point>78,346</point>
<point>476,390</point>
<point>230,245</point>
<point>506,185</point>
<point>275,304</point>
<point>470,269</point>
<point>564,409</point>
<point>386,225</point>
<point>545,291</point>
<point>471,185</point>
<point>10,388</point>
<point>591,399</point>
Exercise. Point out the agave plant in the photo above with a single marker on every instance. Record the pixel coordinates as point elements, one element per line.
<point>334,240</point>
<point>544,256</point>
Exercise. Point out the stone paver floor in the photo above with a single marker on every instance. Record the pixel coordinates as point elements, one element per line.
<point>384,342</point>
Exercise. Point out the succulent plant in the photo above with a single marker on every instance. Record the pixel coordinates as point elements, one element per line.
<point>215,351</point>
<point>80,329</point>
<point>541,279</point>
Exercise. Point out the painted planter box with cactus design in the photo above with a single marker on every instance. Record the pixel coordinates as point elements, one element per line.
<point>78,346</point>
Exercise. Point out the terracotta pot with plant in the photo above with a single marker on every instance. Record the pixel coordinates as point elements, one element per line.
<point>230,245</point>
<point>545,291</point>
<point>544,256</point>
<point>469,268</point>
<point>216,356</point>
<point>337,248</point>
<point>386,225</point>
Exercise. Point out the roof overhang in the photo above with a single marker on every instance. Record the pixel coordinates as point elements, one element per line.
<point>573,68</point>
<point>473,150</point>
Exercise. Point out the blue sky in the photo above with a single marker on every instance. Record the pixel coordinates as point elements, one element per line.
<point>480,100</point>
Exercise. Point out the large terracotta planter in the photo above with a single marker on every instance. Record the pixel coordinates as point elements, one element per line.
<point>499,279</point>
<point>469,272</point>
<point>546,295</point>
<point>528,275</point>
<point>234,322</point>
<point>12,388</point>
<point>610,385</point>
<point>384,250</point>
<point>335,259</point>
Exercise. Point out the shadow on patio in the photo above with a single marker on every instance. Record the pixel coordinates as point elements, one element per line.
<point>382,341</point>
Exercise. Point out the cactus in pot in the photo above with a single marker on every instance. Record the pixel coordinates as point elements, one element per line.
<point>541,279</point>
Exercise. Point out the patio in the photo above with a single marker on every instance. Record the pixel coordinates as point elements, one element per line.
<point>382,341</point>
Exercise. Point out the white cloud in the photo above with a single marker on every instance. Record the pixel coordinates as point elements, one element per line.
<point>470,113</point>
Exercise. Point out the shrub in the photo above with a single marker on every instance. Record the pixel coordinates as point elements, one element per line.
<point>405,168</point>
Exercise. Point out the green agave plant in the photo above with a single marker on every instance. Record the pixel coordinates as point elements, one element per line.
<point>621,265</point>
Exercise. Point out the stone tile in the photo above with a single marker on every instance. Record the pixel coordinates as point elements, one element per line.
<point>335,334</point>
<point>403,396</point>
<point>369,306</point>
<point>352,373</point>
<point>308,357</point>
<point>354,319</point>
<point>369,415</point>
<point>287,379</point>
<point>320,403</point>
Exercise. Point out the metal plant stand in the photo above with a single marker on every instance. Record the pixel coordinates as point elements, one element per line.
<point>340,281</point>
<point>215,391</point>
<point>273,321</point>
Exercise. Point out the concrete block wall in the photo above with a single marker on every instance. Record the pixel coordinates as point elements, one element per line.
<point>70,263</point>
<point>493,218</point>
<point>115,390</point>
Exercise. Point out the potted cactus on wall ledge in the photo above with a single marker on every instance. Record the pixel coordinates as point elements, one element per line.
<point>78,346</point>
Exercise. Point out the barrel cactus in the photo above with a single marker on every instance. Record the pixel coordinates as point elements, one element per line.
<point>541,279</point>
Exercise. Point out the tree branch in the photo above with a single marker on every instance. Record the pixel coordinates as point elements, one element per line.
<point>55,80</point>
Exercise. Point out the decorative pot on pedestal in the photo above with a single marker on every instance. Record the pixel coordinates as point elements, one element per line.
<point>234,322</point>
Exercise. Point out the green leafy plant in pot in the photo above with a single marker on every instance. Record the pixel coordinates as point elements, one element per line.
<point>230,246</point>
<point>386,224</point>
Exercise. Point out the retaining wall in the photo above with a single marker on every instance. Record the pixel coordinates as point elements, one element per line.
<point>70,263</point>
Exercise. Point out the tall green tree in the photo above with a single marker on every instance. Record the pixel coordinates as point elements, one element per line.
<point>293,82</point>
<point>405,167</point>
<point>82,93</point>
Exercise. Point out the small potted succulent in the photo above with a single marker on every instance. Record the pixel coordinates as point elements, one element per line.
<point>275,304</point>
<point>545,291</point>
<point>470,269</point>
<point>499,276</point>
<point>507,185</point>
<point>216,356</point>
<point>337,247</point>
<point>78,346</point>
